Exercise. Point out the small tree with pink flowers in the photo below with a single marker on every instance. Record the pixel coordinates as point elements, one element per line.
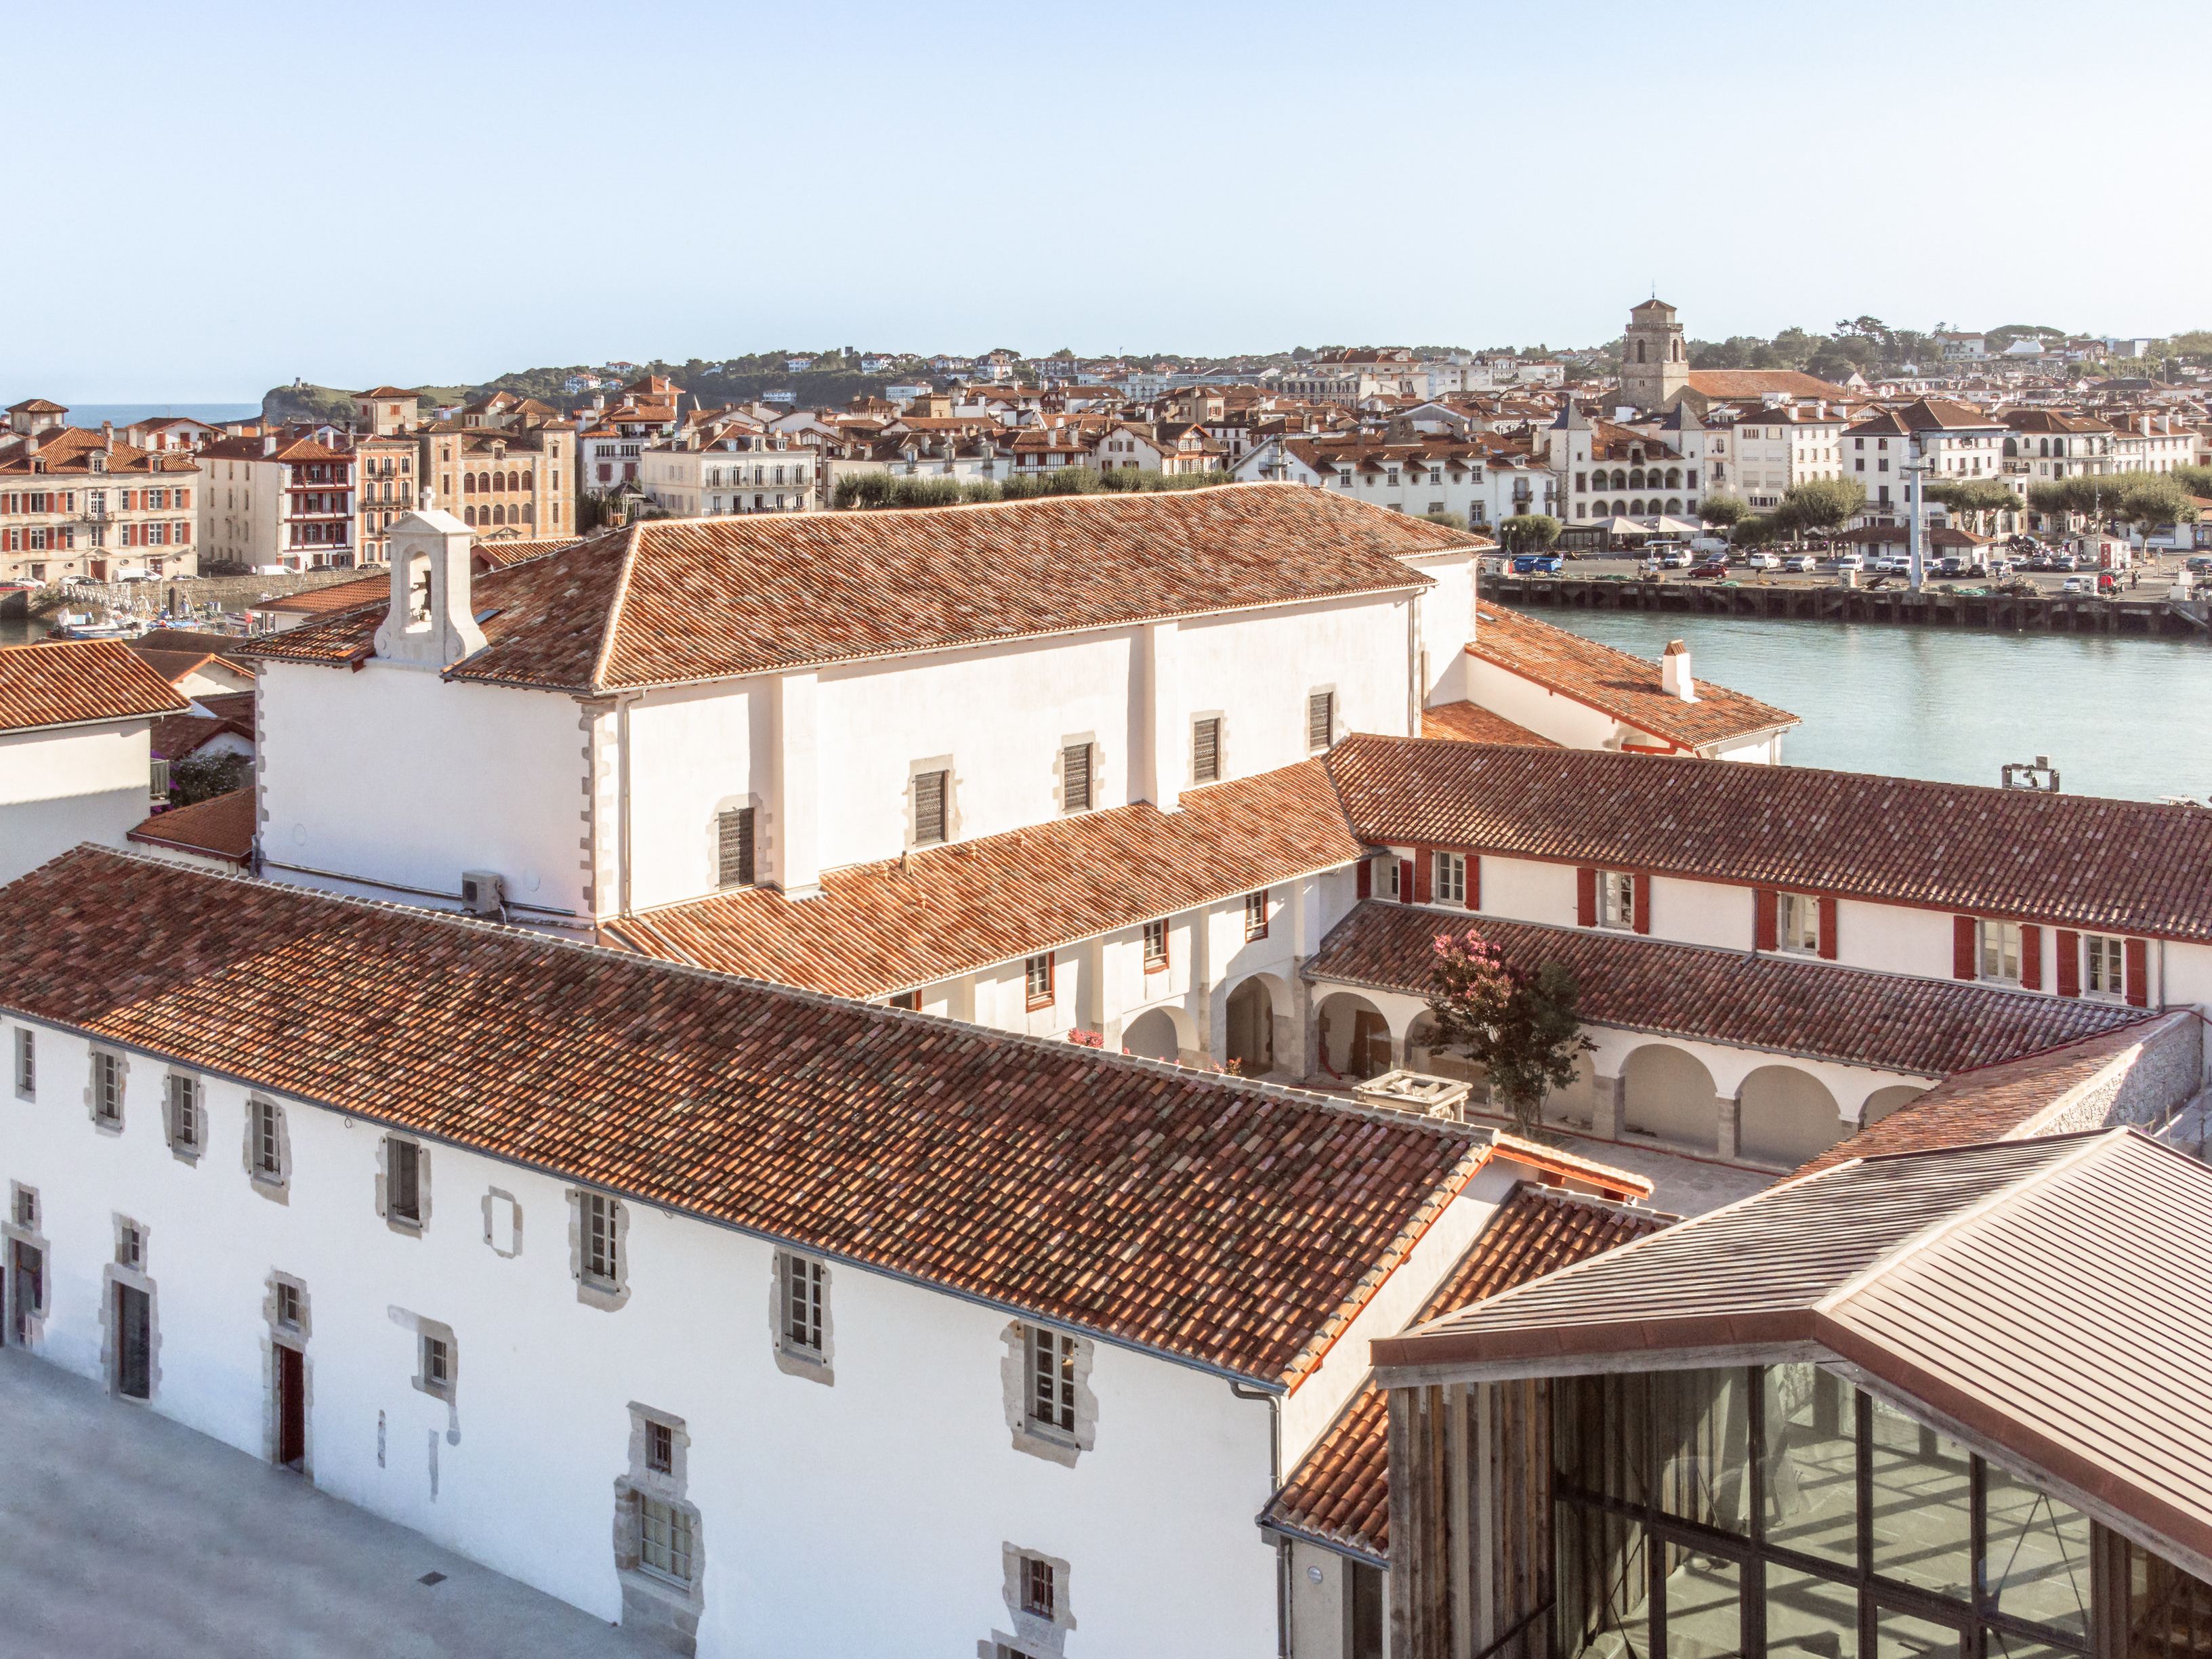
<point>1522,1027</point>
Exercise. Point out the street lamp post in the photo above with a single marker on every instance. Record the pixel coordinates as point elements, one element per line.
<point>1918,470</point>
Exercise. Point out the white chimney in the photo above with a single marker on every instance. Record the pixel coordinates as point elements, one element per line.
<point>1675,673</point>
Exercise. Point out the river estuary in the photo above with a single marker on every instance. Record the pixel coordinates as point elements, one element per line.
<point>2125,717</point>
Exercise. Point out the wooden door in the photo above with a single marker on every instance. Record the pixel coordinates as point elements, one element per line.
<point>134,1343</point>
<point>291,1407</point>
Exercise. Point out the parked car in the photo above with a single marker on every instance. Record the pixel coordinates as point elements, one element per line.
<point>1851,562</point>
<point>1673,558</point>
<point>1799,564</point>
<point>2201,564</point>
<point>2076,585</point>
<point>1710,570</point>
<point>1760,559</point>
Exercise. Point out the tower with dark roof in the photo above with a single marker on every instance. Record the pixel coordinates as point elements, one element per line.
<point>1654,363</point>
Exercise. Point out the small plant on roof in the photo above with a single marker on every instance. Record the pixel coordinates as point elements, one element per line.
<point>1522,1027</point>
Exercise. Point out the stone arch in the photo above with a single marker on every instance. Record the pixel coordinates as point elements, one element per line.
<point>1249,1042</point>
<point>1674,478</point>
<point>1636,507</point>
<point>1355,1037</point>
<point>1636,477</point>
<point>1673,505</point>
<point>1621,478</point>
<point>1882,1101</point>
<point>1785,1115</point>
<point>1162,1033</point>
<point>1669,1094</point>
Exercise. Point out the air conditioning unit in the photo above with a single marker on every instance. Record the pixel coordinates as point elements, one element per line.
<point>483,892</point>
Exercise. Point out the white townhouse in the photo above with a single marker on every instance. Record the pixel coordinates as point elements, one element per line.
<point>750,1319</point>
<point>1784,444</point>
<point>1423,476</point>
<point>76,759</point>
<point>915,754</point>
<point>1608,470</point>
<point>1955,442</point>
<point>734,468</point>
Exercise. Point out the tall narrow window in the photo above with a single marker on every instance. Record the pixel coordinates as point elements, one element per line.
<point>734,834</point>
<point>402,1179</point>
<point>2104,969</point>
<point>1255,916</point>
<point>1037,978</point>
<point>108,1088</point>
<point>664,1539</point>
<point>1616,891</point>
<point>437,1364</point>
<point>287,1305</point>
<point>1037,1595</point>
<point>26,1063</point>
<point>1321,720</point>
<point>802,1305</point>
<point>2000,948</point>
<point>1075,778</point>
<point>134,1343</point>
<point>928,808</point>
<point>1451,878</point>
<point>1797,922</point>
<point>1155,945</point>
<point>1206,749</point>
<point>1052,1380</point>
<point>602,1261</point>
<point>660,1448</point>
<point>266,1150</point>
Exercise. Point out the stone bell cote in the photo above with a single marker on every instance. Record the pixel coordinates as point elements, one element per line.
<point>430,623</point>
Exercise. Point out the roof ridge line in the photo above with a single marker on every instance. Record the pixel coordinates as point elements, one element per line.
<point>1944,1226</point>
<point>596,681</point>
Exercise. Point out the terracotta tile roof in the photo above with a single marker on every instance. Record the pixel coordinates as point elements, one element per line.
<point>1470,722</point>
<point>2008,1100</point>
<point>220,827</point>
<point>499,554</point>
<point>68,450</point>
<point>176,736</point>
<point>76,680</point>
<point>1613,682</point>
<point>1229,1224</point>
<point>236,707</point>
<point>1338,1495</point>
<point>176,666</point>
<point>1922,1027</point>
<point>2076,860</point>
<point>668,601</point>
<point>883,927</point>
<point>1758,382</point>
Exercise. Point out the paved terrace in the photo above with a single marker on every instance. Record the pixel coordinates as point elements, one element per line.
<point>127,1534</point>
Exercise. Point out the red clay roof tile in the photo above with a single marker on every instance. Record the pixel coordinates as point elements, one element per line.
<point>77,680</point>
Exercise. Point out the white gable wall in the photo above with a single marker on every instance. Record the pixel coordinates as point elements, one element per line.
<point>61,786</point>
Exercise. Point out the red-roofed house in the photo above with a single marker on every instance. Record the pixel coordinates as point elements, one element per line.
<point>278,502</point>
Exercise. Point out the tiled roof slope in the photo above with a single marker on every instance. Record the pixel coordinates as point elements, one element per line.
<point>75,680</point>
<point>1470,722</point>
<point>1921,1027</point>
<point>1614,683</point>
<point>2076,860</point>
<point>219,827</point>
<point>672,600</point>
<point>1758,382</point>
<point>1226,1223</point>
<point>176,736</point>
<point>1339,1493</point>
<point>942,910</point>
<point>2006,1101</point>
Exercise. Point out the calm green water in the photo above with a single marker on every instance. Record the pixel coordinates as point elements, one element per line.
<point>2131,718</point>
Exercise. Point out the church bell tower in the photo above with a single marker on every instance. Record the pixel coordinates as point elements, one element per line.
<point>1657,364</point>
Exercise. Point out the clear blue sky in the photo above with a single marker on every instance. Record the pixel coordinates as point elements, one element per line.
<point>435,193</point>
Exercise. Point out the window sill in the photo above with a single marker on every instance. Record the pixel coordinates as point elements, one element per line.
<point>1155,967</point>
<point>1251,938</point>
<point>1036,1005</point>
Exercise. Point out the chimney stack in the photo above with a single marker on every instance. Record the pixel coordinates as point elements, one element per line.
<point>1675,673</point>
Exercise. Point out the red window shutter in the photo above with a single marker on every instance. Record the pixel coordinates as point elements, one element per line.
<point>1963,965</point>
<point>2138,973</point>
<point>1424,868</point>
<point>1586,898</point>
<point>1366,879</point>
<point>1828,929</point>
<point>2030,957</point>
<point>1404,881</point>
<point>1473,881</point>
<point>1642,902</point>
<point>1762,918</point>
<point>2069,963</point>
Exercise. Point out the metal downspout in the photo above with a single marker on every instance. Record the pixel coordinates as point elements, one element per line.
<point>1274,1485</point>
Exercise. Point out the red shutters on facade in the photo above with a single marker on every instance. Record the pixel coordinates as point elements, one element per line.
<point>2070,963</point>
<point>1474,881</point>
<point>2138,973</point>
<point>1642,902</point>
<point>1404,881</point>
<point>1963,965</point>
<point>1586,898</point>
<point>1366,879</point>
<point>1425,872</point>
<point>2031,957</point>
<point>1764,902</point>
<point>1827,930</point>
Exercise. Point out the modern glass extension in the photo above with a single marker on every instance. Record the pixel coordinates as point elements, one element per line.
<point>1776,1511</point>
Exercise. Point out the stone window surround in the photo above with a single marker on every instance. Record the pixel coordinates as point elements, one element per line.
<point>791,1360</point>
<point>281,1335</point>
<point>1033,1634</point>
<point>658,1607</point>
<point>133,1274</point>
<point>423,1331</point>
<point>98,1053</point>
<point>592,1293</point>
<point>28,1232</point>
<point>915,769</point>
<point>1053,1445</point>
<point>185,1151</point>
<point>1078,740</point>
<point>275,1187</point>
<point>400,1223</point>
<point>492,1199</point>
<point>23,1045</point>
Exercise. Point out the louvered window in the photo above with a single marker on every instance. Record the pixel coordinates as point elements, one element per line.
<point>1205,750</point>
<point>735,829</point>
<point>1075,777</point>
<point>928,808</point>
<point>1320,718</point>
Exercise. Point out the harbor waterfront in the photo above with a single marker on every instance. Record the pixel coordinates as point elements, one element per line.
<point>2117,716</point>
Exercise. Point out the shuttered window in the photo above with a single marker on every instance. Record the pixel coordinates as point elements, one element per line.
<point>1320,718</point>
<point>735,831</point>
<point>108,1088</point>
<point>928,808</point>
<point>1205,750</point>
<point>404,1179</point>
<point>1075,778</point>
<point>268,1149</point>
<point>184,1113</point>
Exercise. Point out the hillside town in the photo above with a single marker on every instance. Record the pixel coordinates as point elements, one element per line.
<point>1037,1015</point>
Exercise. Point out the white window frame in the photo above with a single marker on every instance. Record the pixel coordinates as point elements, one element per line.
<point>2104,967</point>
<point>187,1104</point>
<point>1447,884</point>
<point>599,1220</point>
<point>1797,924</point>
<point>25,1063</point>
<point>1616,899</point>
<point>265,1154</point>
<point>1994,941</point>
<point>802,1305</point>
<point>1048,1392</point>
<point>674,1542</point>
